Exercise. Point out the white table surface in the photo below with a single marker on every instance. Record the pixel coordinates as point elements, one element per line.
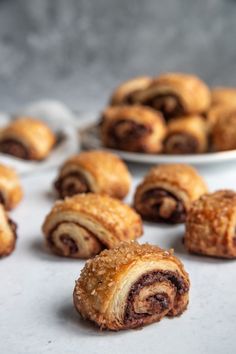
<point>36,309</point>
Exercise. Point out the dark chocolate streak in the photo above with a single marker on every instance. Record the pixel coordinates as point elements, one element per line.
<point>69,242</point>
<point>2,201</point>
<point>15,148</point>
<point>168,104</point>
<point>188,145</point>
<point>125,131</point>
<point>152,212</point>
<point>71,188</point>
<point>160,300</point>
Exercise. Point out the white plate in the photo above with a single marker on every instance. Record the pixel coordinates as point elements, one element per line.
<point>90,140</point>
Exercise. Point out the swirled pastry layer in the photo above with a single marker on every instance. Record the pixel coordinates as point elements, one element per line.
<point>132,128</point>
<point>175,94</point>
<point>94,171</point>
<point>123,94</point>
<point>167,192</point>
<point>131,286</point>
<point>211,225</point>
<point>81,226</point>
<point>27,138</point>
<point>10,188</point>
<point>7,233</point>
<point>186,135</point>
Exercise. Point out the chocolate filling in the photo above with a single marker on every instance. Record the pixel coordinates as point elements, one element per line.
<point>2,200</point>
<point>70,189</point>
<point>180,144</point>
<point>125,132</point>
<point>15,148</point>
<point>69,242</point>
<point>168,104</point>
<point>160,301</point>
<point>153,206</point>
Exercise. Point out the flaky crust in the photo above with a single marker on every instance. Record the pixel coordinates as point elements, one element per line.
<point>120,288</point>
<point>186,135</point>
<point>150,122</point>
<point>181,182</point>
<point>210,225</point>
<point>223,127</point>
<point>33,134</point>
<point>98,219</point>
<point>102,171</point>
<point>223,95</point>
<point>11,191</point>
<point>192,92</point>
<point>123,93</point>
<point>7,234</point>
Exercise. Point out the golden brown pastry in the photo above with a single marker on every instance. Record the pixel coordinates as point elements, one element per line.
<point>123,93</point>
<point>186,135</point>
<point>223,95</point>
<point>10,188</point>
<point>133,128</point>
<point>175,94</point>
<point>7,233</point>
<point>131,286</point>
<point>83,225</point>
<point>94,171</point>
<point>223,127</point>
<point>27,138</point>
<point>210,225</point>
<point>167,192</point>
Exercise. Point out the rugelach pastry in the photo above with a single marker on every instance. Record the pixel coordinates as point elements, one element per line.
<point>210,225</point>
<point>223,132</point>
<point>175,94</point>
<point>186,135</point>
<point>131,286</point>
<point>223,95</point>
<point>27,138</point>
<point>83,225</point>
<point>94,171</point>
<point>123,93</point>
<point>7,233</point>
<point>167,191</point>
<point>10,188</point>
<point>132,128</point>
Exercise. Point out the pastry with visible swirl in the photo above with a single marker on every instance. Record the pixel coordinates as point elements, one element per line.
<point>123,94</point>
<point>131,286</point>
<point>27,138</point>
<point>210,225</point>
<point>83,225</point>
<point>167,192</point>
<point>7,233</point>
<point>223,127</point>
<point>133,128</point>
<point>10,188</point>
<point>223,95</point>
<point>94,171</point>
<point>175,94</point>
<point>186,135</point>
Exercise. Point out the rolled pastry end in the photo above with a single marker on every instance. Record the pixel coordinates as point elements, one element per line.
<point>8,234</point>
<point>131,286</point>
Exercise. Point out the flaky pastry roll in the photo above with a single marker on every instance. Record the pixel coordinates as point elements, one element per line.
<point>7,233</point>
<point>175,94</point>
<point>186,135</point>
<point>167,192</point>
<point>124,92</point>
<point>210,225</point>
<point>94,171</point>
<point>10,187</point>
<point>27,138</point>
<point>131,286</point>
<point>83,225</point>
<point>133,128</point>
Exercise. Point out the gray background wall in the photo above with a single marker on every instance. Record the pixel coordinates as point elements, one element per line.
<point>78,50</point>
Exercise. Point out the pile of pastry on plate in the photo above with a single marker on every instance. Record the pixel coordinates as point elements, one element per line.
<point>174,113</point>
<point>125,284</point>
